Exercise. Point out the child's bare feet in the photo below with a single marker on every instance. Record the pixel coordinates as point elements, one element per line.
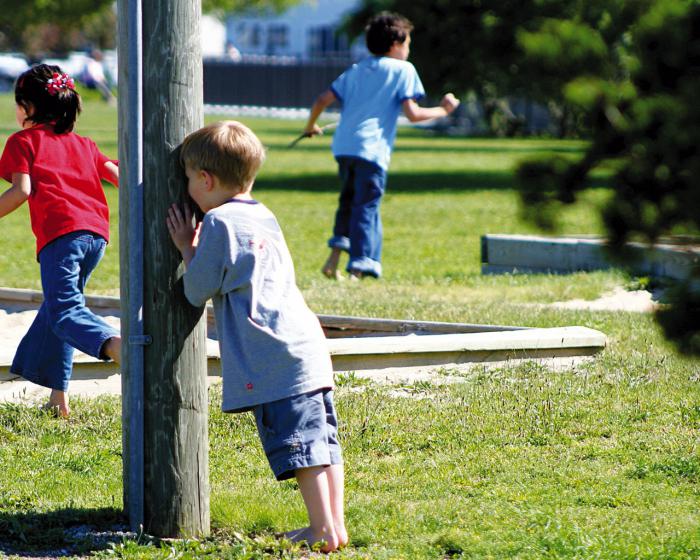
<point>330,267</point>
<point>292,534</point>
<point>326,537</point>
<point>342,535</point>
<point>58,403</point>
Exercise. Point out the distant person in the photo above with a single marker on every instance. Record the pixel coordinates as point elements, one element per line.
<point>372,93</point>
<point>60,174</point>
<point>274,355</point>
<point>93,75</point>
<point>232,53</point>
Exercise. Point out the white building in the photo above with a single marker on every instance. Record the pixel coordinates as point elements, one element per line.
<point>305,31</point>
<point>213,36</point>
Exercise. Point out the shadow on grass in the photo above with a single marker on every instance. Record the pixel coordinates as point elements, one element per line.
<point>398,182</point>
<point>499,149</point>
<point>63,532</point>
<point>404,182</point>
<point>309,145</point>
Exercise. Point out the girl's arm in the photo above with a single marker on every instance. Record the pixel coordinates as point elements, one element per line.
<point>112,173</point>
<point>16,195</point>
<point>415,113</point>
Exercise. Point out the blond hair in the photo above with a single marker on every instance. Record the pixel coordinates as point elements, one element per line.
<point>227,149</point>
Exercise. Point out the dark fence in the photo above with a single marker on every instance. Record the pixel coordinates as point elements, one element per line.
<point>268,84</point>
<point>284,82</point>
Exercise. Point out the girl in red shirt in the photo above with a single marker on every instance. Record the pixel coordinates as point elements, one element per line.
<point>59,173</point>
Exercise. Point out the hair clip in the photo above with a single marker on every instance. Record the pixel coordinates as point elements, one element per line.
<point>59,82</point>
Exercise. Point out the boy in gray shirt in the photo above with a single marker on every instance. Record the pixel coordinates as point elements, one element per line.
<point>274,356</point>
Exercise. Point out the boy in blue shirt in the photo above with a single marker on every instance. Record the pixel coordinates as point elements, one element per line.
<point>372,93</point>
<point>274,356</point>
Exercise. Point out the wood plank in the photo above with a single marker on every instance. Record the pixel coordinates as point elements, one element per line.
<point>529,339</point>
<point>410,360</point>
<point>336,325</point>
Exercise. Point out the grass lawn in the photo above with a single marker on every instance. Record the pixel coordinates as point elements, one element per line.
<point>598,462</point>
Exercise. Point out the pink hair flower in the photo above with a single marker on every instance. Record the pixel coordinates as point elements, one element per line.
<point>59,82</point>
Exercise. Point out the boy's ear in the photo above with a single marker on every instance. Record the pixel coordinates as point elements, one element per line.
<point>208,179</point>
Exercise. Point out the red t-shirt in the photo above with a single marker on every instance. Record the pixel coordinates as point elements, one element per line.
<point>65,172</point>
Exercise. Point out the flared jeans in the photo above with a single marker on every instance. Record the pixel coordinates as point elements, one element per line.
<point>63,322</point>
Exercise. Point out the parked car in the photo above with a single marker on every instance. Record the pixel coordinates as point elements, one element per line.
<point>76,61</point>
<point>11,66</point>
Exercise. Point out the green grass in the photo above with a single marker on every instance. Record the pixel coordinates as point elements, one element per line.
<point>600,461</point>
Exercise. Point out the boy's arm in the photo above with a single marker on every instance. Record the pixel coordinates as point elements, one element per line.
<point>320,105</point>
<point>416,113</point>
<point>16,195</point>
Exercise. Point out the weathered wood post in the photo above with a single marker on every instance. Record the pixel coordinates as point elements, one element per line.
<point>173,437</point>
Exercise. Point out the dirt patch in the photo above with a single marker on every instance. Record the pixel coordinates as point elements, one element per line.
<point>639,301</point>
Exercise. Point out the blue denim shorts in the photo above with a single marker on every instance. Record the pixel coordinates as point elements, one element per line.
<point>299,432</point>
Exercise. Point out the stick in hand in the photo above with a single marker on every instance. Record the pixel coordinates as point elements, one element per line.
<point>309,135</point>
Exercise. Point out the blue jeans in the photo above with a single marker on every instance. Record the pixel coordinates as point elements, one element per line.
<point>358,226</point>
<point>45,354</point>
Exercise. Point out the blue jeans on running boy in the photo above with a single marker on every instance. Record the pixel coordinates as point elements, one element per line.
<point>358,226</point>
<point>45,354</point>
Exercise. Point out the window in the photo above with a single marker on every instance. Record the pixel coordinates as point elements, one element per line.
<point>277,37</point>
<point>248,35</point>
<point>325,41</point>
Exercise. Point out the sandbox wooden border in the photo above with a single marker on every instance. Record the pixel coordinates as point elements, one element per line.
<point>369,344</point>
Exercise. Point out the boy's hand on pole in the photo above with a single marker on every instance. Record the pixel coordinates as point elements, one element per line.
<point>449,103</point>
<point>181,230</point>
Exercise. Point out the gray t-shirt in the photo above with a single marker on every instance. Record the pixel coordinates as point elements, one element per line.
<point>272,345</point>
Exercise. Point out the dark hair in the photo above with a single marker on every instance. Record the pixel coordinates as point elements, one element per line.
<point>385,29</point>
<point>36,93</point>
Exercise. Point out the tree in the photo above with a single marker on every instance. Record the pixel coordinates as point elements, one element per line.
<point>20,20</point>
<point>33,26</point>
<point>649,123</point>
<point>238,6</point>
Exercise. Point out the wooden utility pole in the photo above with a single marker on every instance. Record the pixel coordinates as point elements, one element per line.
<point>175,480</point>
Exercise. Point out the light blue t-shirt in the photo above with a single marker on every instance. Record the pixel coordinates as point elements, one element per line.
<point>272,345</point>
<point>371,93</point>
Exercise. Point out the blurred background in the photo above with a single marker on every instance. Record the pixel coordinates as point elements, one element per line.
<point>508,60</point>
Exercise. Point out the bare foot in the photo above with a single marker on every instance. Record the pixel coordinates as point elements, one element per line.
<point>58,403</point>
<point>335,275</point>
<point>343,538</point>
<point>292,534</point>
<point>326,538</point>
<point>330,267</point>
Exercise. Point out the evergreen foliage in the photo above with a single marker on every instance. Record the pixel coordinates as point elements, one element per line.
<point>649,123</point>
